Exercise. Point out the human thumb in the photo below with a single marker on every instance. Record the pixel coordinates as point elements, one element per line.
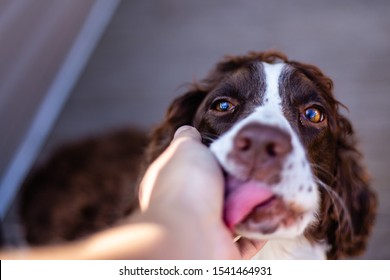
<point>187,131</point>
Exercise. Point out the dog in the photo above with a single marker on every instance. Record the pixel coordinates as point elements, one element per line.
<point>294,174</point>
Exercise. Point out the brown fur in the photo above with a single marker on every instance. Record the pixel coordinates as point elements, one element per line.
<point>85,187</point>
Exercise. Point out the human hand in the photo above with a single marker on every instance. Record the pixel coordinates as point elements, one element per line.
<point>184,188</point>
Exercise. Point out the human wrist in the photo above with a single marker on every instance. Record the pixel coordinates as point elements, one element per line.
<point>185,234</point>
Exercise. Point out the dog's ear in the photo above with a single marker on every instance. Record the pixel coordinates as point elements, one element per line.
<point>349,206</point>
<point>350,224</point>
<point>181,112</point>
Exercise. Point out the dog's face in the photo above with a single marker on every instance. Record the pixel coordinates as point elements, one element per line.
<point>287,153</point>
<point>269,122</point>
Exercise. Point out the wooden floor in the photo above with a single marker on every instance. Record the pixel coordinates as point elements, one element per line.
<point>151,48</point>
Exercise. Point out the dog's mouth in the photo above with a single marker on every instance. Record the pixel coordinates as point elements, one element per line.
<point>242,197</point>
<point>253,206</point>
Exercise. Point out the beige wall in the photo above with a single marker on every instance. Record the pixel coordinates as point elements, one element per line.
<point>35,37</point>
<point>44,46</point>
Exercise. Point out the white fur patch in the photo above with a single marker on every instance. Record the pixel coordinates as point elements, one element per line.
<point>298,248</point>
<point>272,98</point>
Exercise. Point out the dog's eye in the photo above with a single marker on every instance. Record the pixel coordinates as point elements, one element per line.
<point>314,115</point>
<point>223,106</point>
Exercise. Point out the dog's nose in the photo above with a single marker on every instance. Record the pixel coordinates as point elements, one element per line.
<point>260,149</point>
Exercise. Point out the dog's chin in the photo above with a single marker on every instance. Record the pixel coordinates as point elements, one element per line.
<point>254,210</point>
<point>275,219</point>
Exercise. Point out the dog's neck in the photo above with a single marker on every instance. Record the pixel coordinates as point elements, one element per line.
<point>298,248</point>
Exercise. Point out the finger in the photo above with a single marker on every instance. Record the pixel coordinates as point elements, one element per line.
<point>249,248</point>
<point>187,131</point>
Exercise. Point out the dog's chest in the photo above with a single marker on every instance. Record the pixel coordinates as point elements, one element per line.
<point>298,248</point>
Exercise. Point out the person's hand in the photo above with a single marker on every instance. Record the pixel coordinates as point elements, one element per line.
<point>184,187</point>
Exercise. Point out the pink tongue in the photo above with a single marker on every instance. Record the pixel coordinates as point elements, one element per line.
<point>241,201</point>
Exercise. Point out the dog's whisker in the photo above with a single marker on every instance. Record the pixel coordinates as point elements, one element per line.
<point>337,202</point>
<point>319,168</point>
<point>333,194</point>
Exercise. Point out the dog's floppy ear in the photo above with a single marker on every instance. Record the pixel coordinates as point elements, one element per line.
<point>181,112</point>
<point>349,207</point>
<point>348,234</point>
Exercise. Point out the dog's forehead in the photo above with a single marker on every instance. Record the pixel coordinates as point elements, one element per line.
<point>271,75</point>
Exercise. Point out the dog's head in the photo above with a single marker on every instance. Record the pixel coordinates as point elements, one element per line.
<point>290,157</point>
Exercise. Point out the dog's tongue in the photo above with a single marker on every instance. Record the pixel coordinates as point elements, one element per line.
<point>241,200</point>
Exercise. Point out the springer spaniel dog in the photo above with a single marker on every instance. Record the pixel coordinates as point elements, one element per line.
<point>293,172</point>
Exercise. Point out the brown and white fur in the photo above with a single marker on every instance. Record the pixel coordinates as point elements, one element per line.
<point>275,128</point>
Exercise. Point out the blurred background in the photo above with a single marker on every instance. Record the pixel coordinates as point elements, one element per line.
<point>71,69</point>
